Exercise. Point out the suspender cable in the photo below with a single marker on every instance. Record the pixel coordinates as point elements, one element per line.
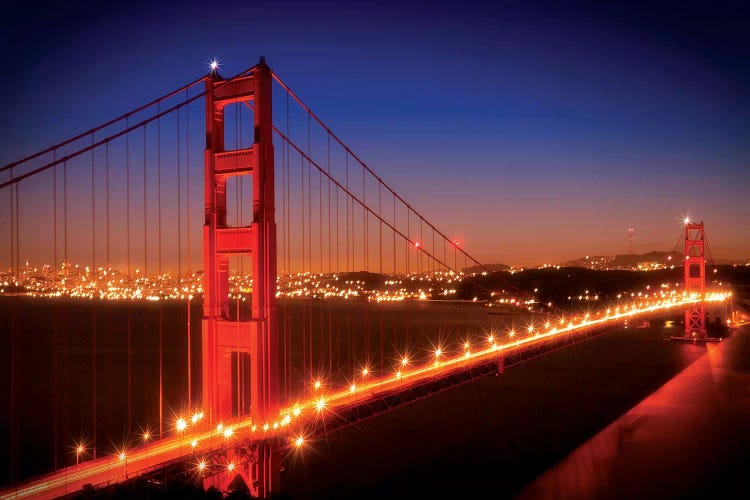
<point>93,309</point>
<point>328,187</point>
<point>108,328</point>
<point>130,283</point>
<point>308,302</point>
<point>55,384</point>
<point>161,277</point>
<point>330,317</point>
<point>285,247</point>
<point>145,275</point>
<point>187,231</point>
<point>106,191</point>
<point>127,197</point>
<point>65,213</point>
<point>145,208</point>
<point>179,207</point>
<point>11,225</point>
<point>394,236</point>
<point>365,228</point>
<point>304,308</point>
<point>346,159</point>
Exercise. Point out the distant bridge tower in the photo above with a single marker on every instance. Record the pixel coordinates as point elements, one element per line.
<point>631,235</point>
<point>240,373</point>
<point>695,277</point>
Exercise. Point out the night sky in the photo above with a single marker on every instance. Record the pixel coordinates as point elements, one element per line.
<point>533,133</point>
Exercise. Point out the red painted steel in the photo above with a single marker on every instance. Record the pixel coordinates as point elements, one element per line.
<point>223,335</point>
<point>695,277</point>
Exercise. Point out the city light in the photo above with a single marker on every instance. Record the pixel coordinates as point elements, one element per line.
<point>180,425</point>
<point>299,441</point>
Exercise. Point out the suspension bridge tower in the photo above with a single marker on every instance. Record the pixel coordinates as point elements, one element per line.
<point>240,373</point>
<point>695,278</point>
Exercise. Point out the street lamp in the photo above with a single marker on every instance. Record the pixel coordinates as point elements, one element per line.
<point>79,449</point>
<point>180,425</point>
<point>146,438</point>
<point>124,458</point>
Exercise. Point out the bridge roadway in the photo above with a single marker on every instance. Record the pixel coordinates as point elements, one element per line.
<point>306,414</point>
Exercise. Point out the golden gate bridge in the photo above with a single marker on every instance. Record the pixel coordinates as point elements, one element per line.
<point>277,368</point>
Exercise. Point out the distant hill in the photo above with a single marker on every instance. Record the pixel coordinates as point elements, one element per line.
<point>495,268</point>
<point>626,261</point>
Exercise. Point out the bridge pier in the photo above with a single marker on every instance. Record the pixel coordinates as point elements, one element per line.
<point>256,466</point>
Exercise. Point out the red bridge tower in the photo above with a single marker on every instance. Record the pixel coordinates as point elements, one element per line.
<point>695,278</point>
<point>240,373</point>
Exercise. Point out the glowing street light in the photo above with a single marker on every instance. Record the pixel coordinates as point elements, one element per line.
<point>124,458</point>
<point>317,384</point>
<point>180,425</point>
<point>79,449</point>
<point>213,65</point>
<point>299,441</point>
